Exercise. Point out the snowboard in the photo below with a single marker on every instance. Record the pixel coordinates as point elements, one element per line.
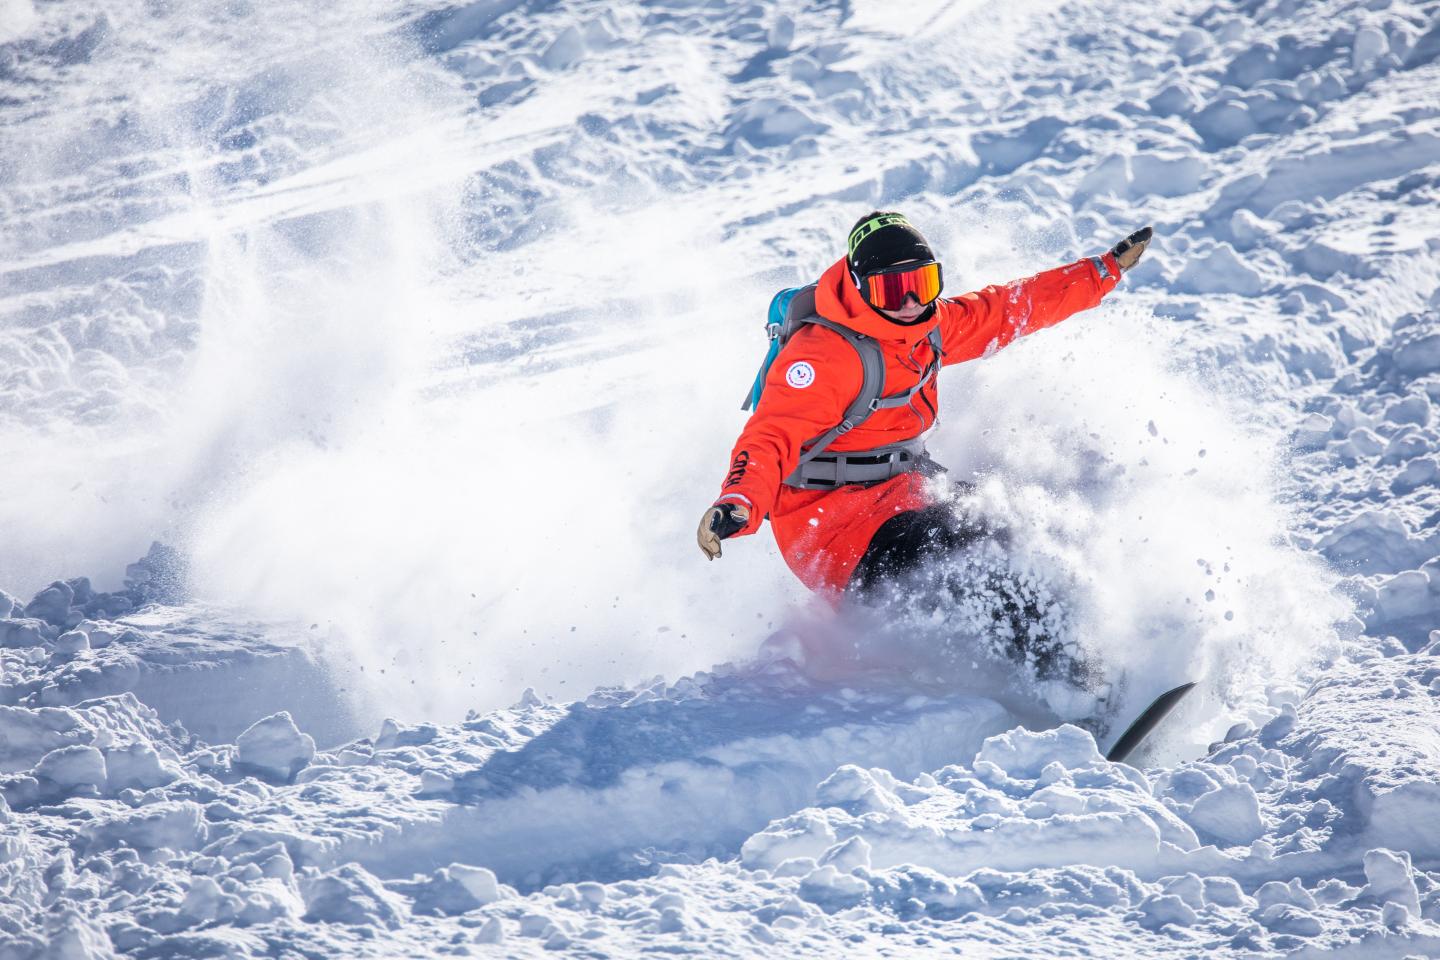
<point>1148,720</point>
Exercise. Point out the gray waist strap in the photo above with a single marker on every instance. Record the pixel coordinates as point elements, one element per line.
<point>829,470</point>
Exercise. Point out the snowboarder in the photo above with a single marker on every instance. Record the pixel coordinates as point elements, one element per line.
<point>844,483</point>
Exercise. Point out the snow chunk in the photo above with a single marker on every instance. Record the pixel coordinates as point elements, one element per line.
<point>1370,45</point>
<point>1160,909</point>
<point>1405,445</point>
<point>1023,754</point>
<point>1390,878</point>
<point>781,33</point>
<point>100,635</point>
<point>1176,99</point>
<point>1414,475</point>
<point>274,747</point>
<point>203,902</point>
<point>22,633</point>
<point>1223,892</point>
<point>1287,918</point>
<point>1368,737</point>
<point>394,734</point>
<point>849,855</point>
<point>492,931</point>
<point>1404,595</point>
<point>1031,799</point>
<point>71,643</point>
<point>1413,409</point>
<point>1248,229</point>
<point>108,723</point>
<point>1377,542</point>
<point>805,834</point>
<point>138,766</point>
<point>1225,121</point>
<point>52,604</point>
<point>456,889</point>
<point>1222,270</point>
<point>832,890</point>
<point>1230,812</point>
<point>1416,355</point>
<point>70,935</point>
<point>73,768</point>
<point>352,895</point>
<point>1292,893</point>
<point>566,50</point>
<point>178,825</point>
<point>858,790</point>
<point>768,122</point>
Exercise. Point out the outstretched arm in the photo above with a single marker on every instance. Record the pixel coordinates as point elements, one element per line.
<point>984,321</point>
<point>807,391</point>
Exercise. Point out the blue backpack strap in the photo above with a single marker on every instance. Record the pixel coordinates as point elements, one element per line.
<point>775,326</point>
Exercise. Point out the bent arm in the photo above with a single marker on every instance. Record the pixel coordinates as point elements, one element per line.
<point>807,391</point>
<point>982,322</point>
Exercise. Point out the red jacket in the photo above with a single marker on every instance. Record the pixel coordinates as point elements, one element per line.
<point>823,533</point>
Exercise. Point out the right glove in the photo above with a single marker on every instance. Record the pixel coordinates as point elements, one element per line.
<point>1127,252</point>
<point>721,521</point>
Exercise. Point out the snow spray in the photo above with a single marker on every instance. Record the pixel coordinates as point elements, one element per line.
<point>1139,496</point>
<point>1150,500</point>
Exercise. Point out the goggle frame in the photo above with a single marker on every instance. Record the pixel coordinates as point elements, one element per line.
<point>862,283</point>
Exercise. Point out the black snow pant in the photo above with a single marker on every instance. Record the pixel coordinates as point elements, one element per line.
<point>908,557</point>
<point>908,542</point>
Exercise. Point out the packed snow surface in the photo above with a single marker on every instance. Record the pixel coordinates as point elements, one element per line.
<point>403,344</point>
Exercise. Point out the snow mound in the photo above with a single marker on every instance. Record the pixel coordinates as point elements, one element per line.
<point>601,788</point>
<point>212,671</point>
<point>274,747</point>
<point>1028,800</point>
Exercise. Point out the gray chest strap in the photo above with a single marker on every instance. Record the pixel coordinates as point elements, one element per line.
<point>817,471</point>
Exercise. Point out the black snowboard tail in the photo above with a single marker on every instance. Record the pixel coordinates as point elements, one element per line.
<point>1136,733</point>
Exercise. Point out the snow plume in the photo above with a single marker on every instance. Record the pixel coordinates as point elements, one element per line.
<point>1149,501</point>
<point>257,297</point>
<point>520,530</point>
<point>471,488</point>
<point>293,311</point>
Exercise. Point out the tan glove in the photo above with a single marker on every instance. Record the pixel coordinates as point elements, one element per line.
<point>721,521</point>
<point>1128,251</point>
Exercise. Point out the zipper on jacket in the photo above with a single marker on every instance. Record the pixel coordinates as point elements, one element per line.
<point>934,414</point>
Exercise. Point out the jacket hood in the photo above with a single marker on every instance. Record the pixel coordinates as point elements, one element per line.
<point>838,300</point>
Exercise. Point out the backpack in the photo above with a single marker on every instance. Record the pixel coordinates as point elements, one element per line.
<point>793,308</point>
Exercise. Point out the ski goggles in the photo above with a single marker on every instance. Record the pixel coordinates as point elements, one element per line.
<point>888,289</point>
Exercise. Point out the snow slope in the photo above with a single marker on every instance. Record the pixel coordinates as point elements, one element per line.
<point>249,306</point>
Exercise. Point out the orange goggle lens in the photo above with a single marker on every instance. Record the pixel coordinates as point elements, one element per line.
<point>887,290</point>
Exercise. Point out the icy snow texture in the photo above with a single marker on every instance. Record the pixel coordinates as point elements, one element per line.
<point>1032,838</point>
<point>249,303</point>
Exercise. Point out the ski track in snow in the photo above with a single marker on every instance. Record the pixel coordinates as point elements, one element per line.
<point>346,303</point>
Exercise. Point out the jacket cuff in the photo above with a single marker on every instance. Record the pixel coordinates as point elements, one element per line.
<point>755,516</point>
<point>1107,268</point>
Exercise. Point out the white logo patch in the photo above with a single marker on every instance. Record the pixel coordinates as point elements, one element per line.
<point>800,375</point>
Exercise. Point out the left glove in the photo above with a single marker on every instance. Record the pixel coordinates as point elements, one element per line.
<point>1127,252</point>
<point>721,521</point>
